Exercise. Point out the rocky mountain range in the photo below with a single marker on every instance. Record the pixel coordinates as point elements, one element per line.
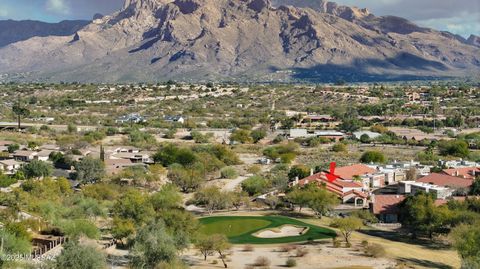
<point>248,40</point>
<point>13,31</point>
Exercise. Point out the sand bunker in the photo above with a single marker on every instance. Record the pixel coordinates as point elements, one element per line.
<point>283,231</point>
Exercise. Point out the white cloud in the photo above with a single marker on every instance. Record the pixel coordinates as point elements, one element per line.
<point>464,24</point>
<point>58,6</point>
<point>4,12</point>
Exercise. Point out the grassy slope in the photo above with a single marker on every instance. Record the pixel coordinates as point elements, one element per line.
<point>240,229</point>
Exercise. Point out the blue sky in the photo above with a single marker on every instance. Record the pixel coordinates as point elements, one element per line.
<point>457,16</point>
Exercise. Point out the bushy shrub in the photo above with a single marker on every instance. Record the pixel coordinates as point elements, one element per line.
<point>336,243</point>
<point>291,262</point>
<point>301,252</point>
<point>262,261</point>
<point>375,250</point>
<point>228,172</point>
<point>248,248</point>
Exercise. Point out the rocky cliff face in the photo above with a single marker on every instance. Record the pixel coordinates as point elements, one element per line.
<point>156,40</point>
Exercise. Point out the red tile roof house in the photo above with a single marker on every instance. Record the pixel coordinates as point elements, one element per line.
<point>371,178</point>
<point>386,207</point>
<point>464,172</point>
<point>446,181</point>
<point>347,190</point>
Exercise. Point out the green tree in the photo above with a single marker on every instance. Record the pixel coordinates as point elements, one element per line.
<point>466,240</point>
<point>373,157</point>
<point>475,188</point>
<point>37,169</point>
<point>167,197</point>
<point>221,246</point>
<point>122,229</point>
<point>299,196</point>
<point>365,139</point>
<point>78,256</point>
<point>133,205</point>
<point>89,170</point>
<point>258,135</point>
<point>300,171</point>
<point>153,245</point>
<point>255,185</point>
<point>457,148</point>
<point>241,136</point>
<point>21,112</point>
<point>212,198</point>
<point>205,245</point>
<point>347,226</point>
<point>13,147</point>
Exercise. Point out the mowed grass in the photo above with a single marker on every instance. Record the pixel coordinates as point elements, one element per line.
<point>240,229</point>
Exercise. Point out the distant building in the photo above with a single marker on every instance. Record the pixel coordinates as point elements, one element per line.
<point>24,155</point>
<point>446,181</point>
<point>371,135</point>
<point>413,187</point>
<point>131,118</point>
<point>10,166</point>
<point>386,207</point>
<point>463,172</point>
<point>304,133</point>
<point>175,119</point>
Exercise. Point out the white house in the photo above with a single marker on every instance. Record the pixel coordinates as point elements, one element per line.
<point>10,166</point>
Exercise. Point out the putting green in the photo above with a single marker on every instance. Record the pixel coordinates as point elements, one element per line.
<point>241,230</point>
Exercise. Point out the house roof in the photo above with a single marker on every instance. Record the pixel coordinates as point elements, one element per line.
<point>116,162</point>
<point>446,180</point>
<point>10,162</point>
<point>6,143</point>
<point>387,204</point>
<point>348,172</point>
<point>24,153</point>
<point>464,172</point>
<point>335,187</point>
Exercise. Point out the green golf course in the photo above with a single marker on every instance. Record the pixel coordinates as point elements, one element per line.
<point>242,230</point>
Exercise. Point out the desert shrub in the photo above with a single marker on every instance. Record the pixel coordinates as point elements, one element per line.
<point>228,172</point>
<point>287,248</point>
<point>348,245</point>
<point>215,262</point>
<point>291,262</point>
<point>364,243</point>
<point>248,248</point>
<point>254,169</point>
<point>375,250</point>
<point>339,147</point>
<point>336,243</point>
<point>302,252</point>
<point>262,261</point>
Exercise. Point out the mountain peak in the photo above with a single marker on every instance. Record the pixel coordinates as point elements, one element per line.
<point>243,39</point>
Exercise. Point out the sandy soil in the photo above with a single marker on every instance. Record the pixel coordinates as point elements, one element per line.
<point>318,257</point>
<point>284,231</point>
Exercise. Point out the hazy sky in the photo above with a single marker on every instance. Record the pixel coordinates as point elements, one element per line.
<point>457,16</point>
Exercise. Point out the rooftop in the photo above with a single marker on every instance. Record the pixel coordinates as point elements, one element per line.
<point>446,180</point>
<point>348,172</point>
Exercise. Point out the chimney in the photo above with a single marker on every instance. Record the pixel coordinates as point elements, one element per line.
<point>457,173</point>
<point>311,171</point>
<point>296,180</point>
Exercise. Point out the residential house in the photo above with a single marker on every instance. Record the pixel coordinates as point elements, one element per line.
<point>347,190</point>
<point>24,155</point>
<point>10,166</point>
<point>371,135</point>
<point>130,118</point>
<point>445,180</point>
<point>43,155</point>
<point>413,187</point>
<point>368,176</point>
<point>464,172</point>
<point>115,166</point>
<point>175,119</point>
<point>386,207</point>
